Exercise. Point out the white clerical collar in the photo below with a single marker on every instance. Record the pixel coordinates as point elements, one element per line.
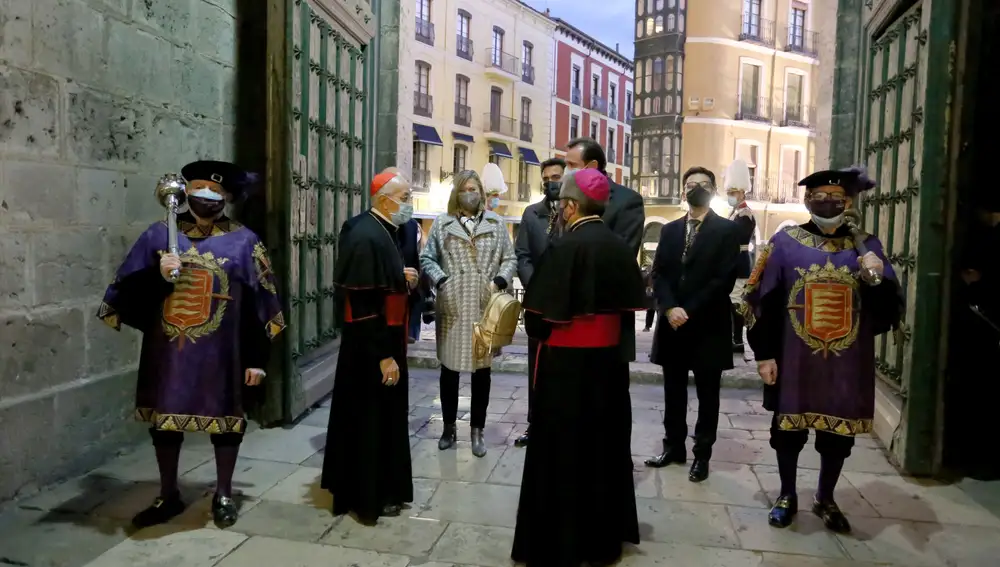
<point>379,214</point>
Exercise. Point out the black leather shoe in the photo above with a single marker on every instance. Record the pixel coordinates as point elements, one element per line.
<point>784,510</point>
<point>224,511</point>
<point>522,441</point>
<point>448,437</point>
<point>162,511</point>
<point>669,456</point>
<point>391,510</point>
<point>699,470</point>
<point>832,517</point>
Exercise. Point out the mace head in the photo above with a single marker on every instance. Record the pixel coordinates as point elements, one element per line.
<point>853,218</point>
<point>171,185</point>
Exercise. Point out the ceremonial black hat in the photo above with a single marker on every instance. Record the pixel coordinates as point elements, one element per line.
<point>232,178</point>
<point>854,180</point>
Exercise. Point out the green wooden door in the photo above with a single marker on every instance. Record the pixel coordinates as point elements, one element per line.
<point>903,130</point>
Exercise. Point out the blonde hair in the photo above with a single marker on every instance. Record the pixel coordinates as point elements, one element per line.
<point>461,178</point>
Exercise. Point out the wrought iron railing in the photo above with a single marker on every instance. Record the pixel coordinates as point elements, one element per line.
<point>629,115</point>
<point>464,47</point>
<point>524,192</point>
<point>504,61</point>
<point>598,103</point>
<point>496,123</point>
<point>425,31</point>
<point>528,73</point>
<point>754,108</point>
<point>799,115</point>
<point>775,189</point>
<point>612,111</point>
<point>575,96</point>
<point>423,104</point>
<point>800,40</point>
<point>463,114</point>
<point>527,131</point>
<point>757,30</point>
<point>611,155</point>
<point>421,178</point>
<point>627,161</point>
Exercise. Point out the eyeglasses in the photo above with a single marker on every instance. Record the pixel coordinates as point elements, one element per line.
<point>692,186</point>
<point>827,197</point>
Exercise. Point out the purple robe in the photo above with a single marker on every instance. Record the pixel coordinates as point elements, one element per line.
<point>822,320</point>
<point>202,333</point>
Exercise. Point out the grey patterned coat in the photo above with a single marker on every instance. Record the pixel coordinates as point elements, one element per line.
<point>470,264</point>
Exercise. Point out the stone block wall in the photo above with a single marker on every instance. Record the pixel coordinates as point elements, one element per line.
<point>98,98</point>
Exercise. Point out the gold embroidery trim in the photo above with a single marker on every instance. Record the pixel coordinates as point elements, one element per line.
<point>191,423</point>
<point>753,282</point>
<point>263,266</point>
<point>824,243</point>
<point>275,326</point>
<point>821,422</point>
<point>110,317</point>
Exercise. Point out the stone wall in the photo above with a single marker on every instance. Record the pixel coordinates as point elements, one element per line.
<point>97,99</point>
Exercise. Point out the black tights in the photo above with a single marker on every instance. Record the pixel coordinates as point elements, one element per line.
<point>833,450</point>
<point>168,453</point>
<point>480,396</point>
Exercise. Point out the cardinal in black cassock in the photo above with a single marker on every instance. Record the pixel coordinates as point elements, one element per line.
<point>367,462</point>
<point>577,498</point>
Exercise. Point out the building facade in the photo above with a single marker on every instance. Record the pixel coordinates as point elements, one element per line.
<point>593,97</point>
<point>475,80</point>
<point>718,80</point>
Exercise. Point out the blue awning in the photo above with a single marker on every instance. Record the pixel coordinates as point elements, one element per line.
<point>500,149</point>
<point>426,135</point>
<point>463,137</point>
<point>529,156</point>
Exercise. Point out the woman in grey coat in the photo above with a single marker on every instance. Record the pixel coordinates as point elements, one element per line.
<point>468,256</point>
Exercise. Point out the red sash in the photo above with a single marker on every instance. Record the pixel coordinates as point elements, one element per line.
<point>397,309</point>
<point>588,331</point>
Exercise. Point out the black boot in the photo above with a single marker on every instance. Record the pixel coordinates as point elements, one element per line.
<point>784,510</point>
<point>224,511</point>
<point>162,511</point>
<point>670,455</point>
<point>478,443</point>
<point>832,517</point>
<point>522,441</point>
<point>448,437</point>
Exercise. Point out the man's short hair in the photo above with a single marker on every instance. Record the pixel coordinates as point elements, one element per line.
<point>696,170</point>
<point>554,161</point>
<point>590,151</point>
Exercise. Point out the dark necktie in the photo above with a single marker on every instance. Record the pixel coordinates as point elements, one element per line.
<point>692,231</point>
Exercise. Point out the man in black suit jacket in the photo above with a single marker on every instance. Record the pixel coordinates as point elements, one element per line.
<point>624,215</point>
<point>409,240</point>
<point>694,271</point>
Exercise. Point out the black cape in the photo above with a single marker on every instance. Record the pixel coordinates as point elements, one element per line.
<point>367,462</point>
<point>582,410</point>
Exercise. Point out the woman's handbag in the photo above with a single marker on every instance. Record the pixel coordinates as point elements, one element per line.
<point>496,329</point>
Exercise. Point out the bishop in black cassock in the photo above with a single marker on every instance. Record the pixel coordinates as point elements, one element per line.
<point>582,288</point>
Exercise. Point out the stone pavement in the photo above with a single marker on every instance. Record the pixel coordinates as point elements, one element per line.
<point>465,507</point>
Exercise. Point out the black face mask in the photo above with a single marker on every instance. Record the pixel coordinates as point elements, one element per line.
<point>827,208</point>
<point>551,189</point>
<point>698,197</point>
<point>205,208</point>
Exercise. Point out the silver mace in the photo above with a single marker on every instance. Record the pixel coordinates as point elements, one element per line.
<point>853,220</point>
<point>170,193</point>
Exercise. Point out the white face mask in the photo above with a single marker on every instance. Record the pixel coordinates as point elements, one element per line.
<point>207,194</point>
<point>733,201</point>
<point>828,223</point>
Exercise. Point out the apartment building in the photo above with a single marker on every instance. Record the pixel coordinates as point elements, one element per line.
<point>718,80</point>
<point>593,97</point>
<point>480,90</point>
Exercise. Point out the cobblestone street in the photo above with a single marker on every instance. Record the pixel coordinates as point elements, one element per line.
<point>465,507</point>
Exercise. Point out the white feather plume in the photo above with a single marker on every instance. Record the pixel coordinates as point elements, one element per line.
<point>493,181</point>
<point>737,176</point>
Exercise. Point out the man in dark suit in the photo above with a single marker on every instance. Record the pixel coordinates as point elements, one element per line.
<point>538,228</point>
<point>409,240</point>
<point>694,271</point>
<point>624,215</point>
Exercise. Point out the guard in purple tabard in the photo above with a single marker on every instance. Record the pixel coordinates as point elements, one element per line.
<point>813,306</point>
<point>206,338</point>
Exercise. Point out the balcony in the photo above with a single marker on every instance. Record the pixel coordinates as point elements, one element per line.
<point>774,189</point>
<point>423,104</point>
<point>527,132</point>
<point>757,30</point>
<point>612,111</point>
<point>425,31</point>
<point>799,116</point>
<point>627,162</point>
<point>629,115</point>
<point>611,155</point>
<point>528,73</point>
<point>800,40</point>
<point>754,109</point>
<point>464,47</point>
<point>421,179</point>
<point>598,104</point>
<point>524,192</point>
<point>500,64</point>
<point>575,96</point>
<point>502,125</point>
<point>463,114</point>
